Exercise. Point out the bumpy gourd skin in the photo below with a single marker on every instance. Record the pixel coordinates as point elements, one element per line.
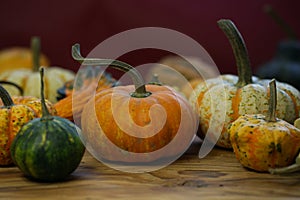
<point>260,145</point>
<point>11,120</point>
<point>34,103</point>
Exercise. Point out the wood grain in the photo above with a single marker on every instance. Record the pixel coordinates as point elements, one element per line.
<point>217,176</point>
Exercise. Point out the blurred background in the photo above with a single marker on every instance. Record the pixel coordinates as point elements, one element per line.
<point>60,24</point>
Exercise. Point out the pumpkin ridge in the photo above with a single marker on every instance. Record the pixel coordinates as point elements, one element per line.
<point>24,81</point>
<point>10,138</point>
<point>293,132</point>
<point>201,95</point>
<point>11,115</point>
<point>25,145</point>
<point>235,102</point>
<point>296,108</point>
<point>274,155</point>
<point>254,141</point>
<point>138,145</point>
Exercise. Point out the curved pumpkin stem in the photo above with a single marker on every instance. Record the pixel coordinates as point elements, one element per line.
<point>6,99</point>
<point>240,51</point>
<point>35,49</point>
<point>45,112</point>
<point>13,84</point>
<point>140,89</point>
<point>271,115</point>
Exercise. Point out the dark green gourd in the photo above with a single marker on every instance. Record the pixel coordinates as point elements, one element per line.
<point>47,148</point>
<point>285,65</point>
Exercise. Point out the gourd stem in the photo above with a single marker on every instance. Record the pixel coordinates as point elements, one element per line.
<point>35,49</point>
<point>15,85</point>
<point>140,89</point>
<point>279,21</point>
<point>6,99</point>
<point>289,169</point>
<point>45,112</point>
<point>240,51</point>
<point>155,80</point>
<point>271,115</point>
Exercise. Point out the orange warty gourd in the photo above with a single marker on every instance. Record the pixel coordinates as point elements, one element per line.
<point>220,101</point>
<point>261,142</point>
<point>35,104</point>
<point>135,118</point>
<point>12,118</point>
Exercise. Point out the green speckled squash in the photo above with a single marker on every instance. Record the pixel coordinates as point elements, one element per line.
<point>47,148</point>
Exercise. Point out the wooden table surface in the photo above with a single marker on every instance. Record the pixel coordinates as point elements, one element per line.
<point>217,176</point>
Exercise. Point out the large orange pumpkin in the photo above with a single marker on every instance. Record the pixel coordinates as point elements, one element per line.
<point>150,122</point>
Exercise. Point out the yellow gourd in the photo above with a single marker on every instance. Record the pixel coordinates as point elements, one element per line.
<point>261,141</point>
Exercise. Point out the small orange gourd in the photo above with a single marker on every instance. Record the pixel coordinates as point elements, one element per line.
<point>261,142</point>
<point>12,118</point>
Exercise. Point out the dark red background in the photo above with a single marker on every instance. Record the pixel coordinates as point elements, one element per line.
<point>60,24</point>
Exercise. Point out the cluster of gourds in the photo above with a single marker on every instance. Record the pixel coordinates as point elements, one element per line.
<point>236,112</point>
<point>32,135</point>
<point>40,155</point>
<point>259,141</point>
<point>28,77</point>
